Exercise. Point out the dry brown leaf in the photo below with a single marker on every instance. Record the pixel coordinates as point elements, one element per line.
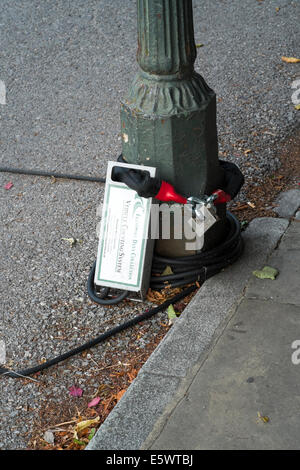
<point>85,424</point>
<point>264,419</point>
<point>132,375</point>
<point>290,60</point>
<point>107,403</point>
<point>117,374</point>
<point>241,208</point>
<point>119,395</point>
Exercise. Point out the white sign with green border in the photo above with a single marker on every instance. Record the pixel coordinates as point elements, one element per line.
<point>124,241</point>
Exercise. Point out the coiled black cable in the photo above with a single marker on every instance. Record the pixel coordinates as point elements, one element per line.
<point>186,269</point>
<point>101,298</point>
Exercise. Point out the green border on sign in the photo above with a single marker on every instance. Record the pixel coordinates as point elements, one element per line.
<point>102,242</point>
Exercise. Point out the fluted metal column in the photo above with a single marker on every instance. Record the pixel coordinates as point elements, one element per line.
<point>168,118</point>
<point>166,37</point>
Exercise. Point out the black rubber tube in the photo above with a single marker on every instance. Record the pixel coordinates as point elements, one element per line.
<point>23,171</point>
<point>95,296</point>
<point>209,264</point>
<point>99,339</point>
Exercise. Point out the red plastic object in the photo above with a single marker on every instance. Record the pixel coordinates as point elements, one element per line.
<point>168,193</point>
<point>8,185</point>
<point>222,197</point>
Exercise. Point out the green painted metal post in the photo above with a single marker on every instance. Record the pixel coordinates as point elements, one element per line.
<point>168,118</point>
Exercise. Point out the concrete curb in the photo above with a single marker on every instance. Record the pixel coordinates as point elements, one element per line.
<point>164,378</point>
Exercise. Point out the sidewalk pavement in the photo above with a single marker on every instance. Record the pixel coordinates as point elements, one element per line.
<point>226,374</point>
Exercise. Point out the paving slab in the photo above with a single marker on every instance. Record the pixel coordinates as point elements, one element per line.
<point>246,394</point>
<point>250,371</point>
<point>285,288</point>
<point>291,239</point>
<point>213,303</point>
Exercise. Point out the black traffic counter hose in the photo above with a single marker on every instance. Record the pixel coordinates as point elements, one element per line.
<point>187,270</point>
<point>194,270</point>
<point>107,334</point>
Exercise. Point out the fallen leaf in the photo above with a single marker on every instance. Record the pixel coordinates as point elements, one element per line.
<point>297,106</point>
<point>264,419</point>
<point>132,375</point>
<point>167,271</point>
<point>94,402</point>
<point>91,434</point>
<point>290,60</point>
<point>80,443</point>
<point>72,241</point>
<point>247,151</point>
<point>106,403</point>
<point>241,208</point>
<point>119,395</point>
<point>171,312</point>
<point>75,391</point>
<point>172,315</point>
<point>251,205</point>
<point>8,185</point>
<point>199,45</point>
<point>277,9</point>
<point>266,273</point>
<point>85,424</point>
